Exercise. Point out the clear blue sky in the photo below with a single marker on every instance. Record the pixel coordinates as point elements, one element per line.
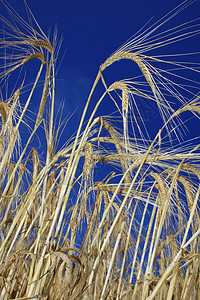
<point>92,30</point>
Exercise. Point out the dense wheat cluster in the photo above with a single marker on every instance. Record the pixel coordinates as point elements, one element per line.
<point>70,231</point>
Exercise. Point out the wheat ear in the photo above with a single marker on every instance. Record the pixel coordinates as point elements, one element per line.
<point>36,43</point>
<point>118,85</point>
<point>4,111</point>
<point>38,55</point>
<point>42,44</point>
<point>88,158</point>
<point>134,57</point>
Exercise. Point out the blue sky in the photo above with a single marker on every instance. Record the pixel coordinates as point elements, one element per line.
<point>92,31</point>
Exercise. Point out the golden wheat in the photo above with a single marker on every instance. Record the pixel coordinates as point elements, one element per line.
<point>112,214</point>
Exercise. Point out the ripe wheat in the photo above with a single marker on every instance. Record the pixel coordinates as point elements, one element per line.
<point>112,213</point>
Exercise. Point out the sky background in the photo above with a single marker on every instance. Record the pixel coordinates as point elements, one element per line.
<point>92,31</point>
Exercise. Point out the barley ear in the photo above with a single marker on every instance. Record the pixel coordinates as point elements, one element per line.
<point>43,44</point>
<point>138,60</point>
<point>88,159</point>
<point>125,93</point>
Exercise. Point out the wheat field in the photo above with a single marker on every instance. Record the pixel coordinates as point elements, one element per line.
<point>112,213</point>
